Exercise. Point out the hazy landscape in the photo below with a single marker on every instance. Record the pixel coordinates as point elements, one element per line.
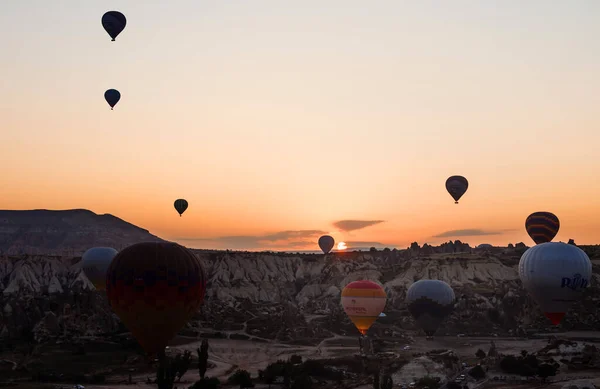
<point>262,307</point>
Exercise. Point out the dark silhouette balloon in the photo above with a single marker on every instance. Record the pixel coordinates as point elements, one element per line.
<point>542,227</point>
<point>114,22</point>
<point>430,302</point>
<point>181,205</point>
<point>326,243</point>
<point>457,186</point>
<point>112,97</point>
<point>155,288</point>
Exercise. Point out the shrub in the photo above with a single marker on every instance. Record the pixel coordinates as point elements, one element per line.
<point>206,383</point>
<point>302,382</point>
<point>477,372</point>
<point>453,385</point>
<point>98,379</point>
<point>241,378</point>
<point>546,370</point>
<point>295,359</point>
<point>525,366</point>
<point>430,382</point>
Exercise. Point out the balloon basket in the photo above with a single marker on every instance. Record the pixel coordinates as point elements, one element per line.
<point>154,359</point>
<point>151,358</point>
<point>365,345</point>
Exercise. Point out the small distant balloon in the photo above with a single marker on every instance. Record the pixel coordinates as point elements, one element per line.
<point>181,205</point>
<point>555,274</point>
<point>457,186</point>
<point>114,23</point>
<point>542,227</point>
<point>326,243</point>
<point>112,97</point>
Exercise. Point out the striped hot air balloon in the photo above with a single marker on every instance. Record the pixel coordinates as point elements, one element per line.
<point>542,227</point>
<point>363,301</point>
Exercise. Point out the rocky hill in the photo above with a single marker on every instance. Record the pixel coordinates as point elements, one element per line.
<point>292,297</point>
<point>69,232</point>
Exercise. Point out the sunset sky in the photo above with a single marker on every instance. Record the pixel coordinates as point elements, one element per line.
<point>279,121</point>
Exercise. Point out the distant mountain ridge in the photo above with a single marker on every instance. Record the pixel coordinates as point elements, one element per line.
<point>65,232</point>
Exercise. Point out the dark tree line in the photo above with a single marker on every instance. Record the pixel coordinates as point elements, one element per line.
<point>528,365</point>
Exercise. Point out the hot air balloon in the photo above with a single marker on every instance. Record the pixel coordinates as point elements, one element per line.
<point>114,22</point>
<point>555,275</point>
<point>542,227</point>
<point>95,262</point>
<point>180,205</point>
<point>326,243</point>
<point>429,303</point>
<point>457,186</point>
<point>363,301</point>
<point>112,97</point>
<point>155,288</point>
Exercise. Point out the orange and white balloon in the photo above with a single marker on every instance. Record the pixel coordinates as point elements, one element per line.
<point>363,301</point>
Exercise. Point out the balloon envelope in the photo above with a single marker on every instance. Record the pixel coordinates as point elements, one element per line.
<point>457,186</point>
<point>363,302</point>
<point>114,22</point>
<point>155,288</point>
<point>555,275</point>
<point>180,206</point>
<point>95,262</point>
<point>542,227</point>
<point>429,303</point>
<point>326,243</point>
<point>112,97</point>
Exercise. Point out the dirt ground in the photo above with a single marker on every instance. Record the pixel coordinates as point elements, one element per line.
<point>230,355</point>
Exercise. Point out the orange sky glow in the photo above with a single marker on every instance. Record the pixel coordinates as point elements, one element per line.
<point>276,132</point>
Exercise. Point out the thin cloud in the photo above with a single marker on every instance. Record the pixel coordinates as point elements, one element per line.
<point>363,243</point>
<point>291,234</point>
<point>288,238</point>
<point>469,232</point>
<point>352,225</point>
<point>359,244</point>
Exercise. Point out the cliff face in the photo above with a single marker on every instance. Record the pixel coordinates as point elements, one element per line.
<point>69,232</point>
<point>290,297</point>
